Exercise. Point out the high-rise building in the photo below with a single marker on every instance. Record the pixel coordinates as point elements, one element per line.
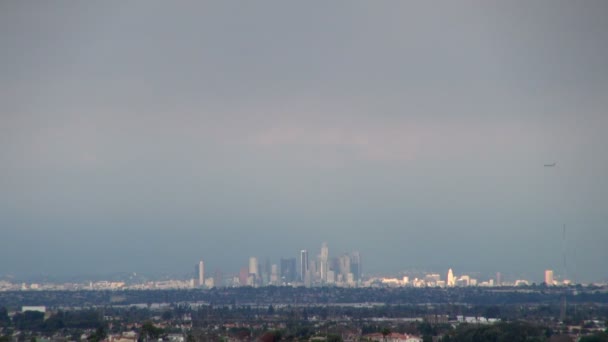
<point>201,273</point>
<point>355,265</point>
<point>450,280</point>
<point>218,278</point>
<point>274,274</point>
<point>253,266</point>
<point>324,261</point>
<point>303,264</point>
<point>344,265</point>
<point>243,275</point>
<point>498,279</point>
<point>549,277</point>
<point>288,270</point>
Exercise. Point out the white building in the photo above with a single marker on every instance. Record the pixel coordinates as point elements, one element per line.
<point>201,273</point>
<point>450,280</point>
<point>253,266</point>
<point>549,277</point>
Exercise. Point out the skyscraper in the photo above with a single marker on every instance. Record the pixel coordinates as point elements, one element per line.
<point>253,267</point>
<point>450,281</point>
<point>324,261</point>
<point>274,274</point>
<point>549,277</point>
<point>355,265</point>
<point>344,265</point>
<point>243,275</point>
<point>201,273</point>
<point>303,264</point>
<point>288,270</point>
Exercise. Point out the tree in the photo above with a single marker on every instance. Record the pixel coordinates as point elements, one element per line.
<point>149,331</point>
<point>385,332</point>
<point>167,315</point>
<point>99,335</point>
<point>599,337</point>
<point>334,338</point>
<point>4,319</point>
<point>271,336</point>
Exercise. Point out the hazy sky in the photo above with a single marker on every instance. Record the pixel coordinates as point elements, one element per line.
<point>145,135</point>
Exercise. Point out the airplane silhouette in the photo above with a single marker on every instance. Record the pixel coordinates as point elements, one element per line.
<point>550,165</point>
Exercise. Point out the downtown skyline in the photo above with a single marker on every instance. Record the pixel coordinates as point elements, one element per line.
<point>145,136</point>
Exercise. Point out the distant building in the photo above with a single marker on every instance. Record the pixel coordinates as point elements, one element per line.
<point>199,272</point>
<point>344,265</point>
<point>288,270</point>
<point>274,274</point>
<point>356,266</point>
<point>218,278</point>
<point>33,308</point>
<point>303,264</point>
<point>331,277</point>
<point>324,262</point>
<point>253,266</point>
<point>243,275</point>
<point>450,280</point>
<point>549,277</point>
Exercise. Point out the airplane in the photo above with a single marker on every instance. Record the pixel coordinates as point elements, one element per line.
<point>550,165</point>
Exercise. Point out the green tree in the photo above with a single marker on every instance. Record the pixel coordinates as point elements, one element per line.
<point>4,319</point>
<point>99,334</point>
<point>334,338</point>
<point>149,331</point>
<point>385,332</point>
<point>598,337</point>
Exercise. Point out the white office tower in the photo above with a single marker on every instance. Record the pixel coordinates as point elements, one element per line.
<point>450,281</point>
<point>344,264</point>
<point>274,274</point>
<point>331,277</point>
<point>253,267</point>
<point>201,273</point>
<point>324,262</point>
<point>549,277</point>
<point>303,264</point>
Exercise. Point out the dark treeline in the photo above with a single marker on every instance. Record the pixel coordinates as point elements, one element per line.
<point>302,296</point>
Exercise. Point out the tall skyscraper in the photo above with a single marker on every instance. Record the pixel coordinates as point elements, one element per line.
<point>450,280</point>
<point>355,265</point>
<point>549,277</point>
<point>243,275</point>
<point>274,274</point>
<point>288,270</point>
<point>344,265</point>
<point>201,273</point>
<point>303,264</point>
<point>324,261</point>
<point>218,278</point>
<point>498,279</point>
<point>253,266</point>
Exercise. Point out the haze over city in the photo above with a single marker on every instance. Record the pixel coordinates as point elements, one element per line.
<point>145,136</point>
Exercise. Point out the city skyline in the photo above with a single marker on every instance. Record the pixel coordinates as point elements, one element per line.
<point>145,136</point>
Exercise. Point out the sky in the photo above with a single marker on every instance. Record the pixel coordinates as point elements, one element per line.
<point>142,136</point>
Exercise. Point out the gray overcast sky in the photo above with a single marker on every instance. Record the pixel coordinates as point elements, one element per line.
<point>144,135</point>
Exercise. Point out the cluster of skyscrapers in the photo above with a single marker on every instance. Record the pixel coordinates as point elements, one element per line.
<point>345,270</point>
